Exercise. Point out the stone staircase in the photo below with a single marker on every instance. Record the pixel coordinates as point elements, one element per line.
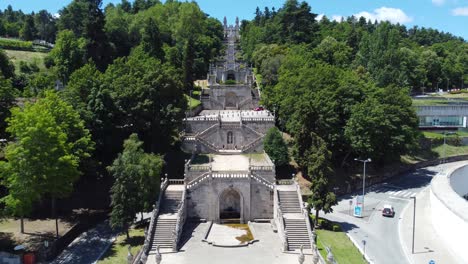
<point>295,224</point>
<point>167,219</point>
<point>289,202</point>
<point>297,234</point>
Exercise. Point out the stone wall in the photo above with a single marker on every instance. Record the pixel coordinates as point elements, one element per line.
<point>450,211</point>
<point>257,199</point>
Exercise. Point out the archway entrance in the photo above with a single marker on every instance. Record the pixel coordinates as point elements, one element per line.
<point>230,206</point>
<point>231,76</point>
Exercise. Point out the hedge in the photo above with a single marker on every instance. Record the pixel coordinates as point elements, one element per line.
<point>15,44</point>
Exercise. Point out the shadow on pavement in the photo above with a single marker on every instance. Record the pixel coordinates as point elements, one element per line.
<point>187,233</point>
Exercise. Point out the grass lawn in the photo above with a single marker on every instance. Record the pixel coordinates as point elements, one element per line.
<point>450,150</point>
<point>440,134</point>
<point>342,248</point>
<point>28,56</point>
<point>117,253</point>
<point>192,102</point>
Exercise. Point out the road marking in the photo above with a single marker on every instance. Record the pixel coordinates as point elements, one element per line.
<point>392,192</point>
<point>397,193</point>
<point>397,198</point>
<point>405,193</point>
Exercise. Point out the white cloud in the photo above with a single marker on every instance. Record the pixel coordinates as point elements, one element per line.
<point>394,15</point>
<point>460,11</point>
<point>337,18</point>
<point>56,15</point>
<point>319,17</point>
<point>438,2</point>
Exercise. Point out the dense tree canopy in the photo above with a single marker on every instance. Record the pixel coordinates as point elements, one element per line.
<point>137,175</point>
<point>275,147</point>
<point>50,142</point>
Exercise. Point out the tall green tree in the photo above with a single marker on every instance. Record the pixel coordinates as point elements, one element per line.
<point>312,153</point>
<point>151,39</point>
<point>68,54</point>
<point>7,69</point>
<point>384,126</point>
<point>137,176</point>
<point>50,142</point>
<point>155,105</point>
<point>7,100</point>
<point>275,147</point>
<point>28,31</point>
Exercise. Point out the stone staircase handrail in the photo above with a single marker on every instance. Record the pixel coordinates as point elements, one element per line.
<point>251,129</point>
<point>262,180</point>
<point>282,226</point>
<point>181,217</point>
<point>151,229</point>
<point>176,181</point>
<point>252,144</point>
<point>202,133</point>
<point>208,144</point>
<point>244,102</point>
<point>198,180</point>
<point>285,182</point>
<point>304,212</point>
<point>199,167</point>
<point>261,168</point>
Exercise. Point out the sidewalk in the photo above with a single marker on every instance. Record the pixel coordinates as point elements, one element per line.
<point>88,247</point>
<point>427,244</point>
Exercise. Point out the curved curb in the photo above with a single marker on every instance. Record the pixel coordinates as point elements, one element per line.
<point>366,257</point>
<point>400,236</point>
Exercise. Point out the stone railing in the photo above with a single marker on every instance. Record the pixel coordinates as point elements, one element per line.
<point>253,130</point>
<point>207,144</point>
<point>258,119</point>
<point>262,180</point>
<point>202,119</point>
<point>230,124</point>
<point>181,216</point>
<point>261,168</point>
<point>176,181</point>
<point>281,227</point>
<point>204,132</point>
<point>244,102</point>
<point>199,167</point>
<point>285,182</point>
<point>305,214</point>
<point>149,234</point>
<point>230,175</point>
<point>252,145</point>
<point>198,180</point>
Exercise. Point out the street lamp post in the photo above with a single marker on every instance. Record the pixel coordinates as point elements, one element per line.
<point>363,179</point>
<point>414,221</point>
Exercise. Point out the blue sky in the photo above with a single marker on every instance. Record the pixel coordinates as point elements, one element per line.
<point>447,15</point>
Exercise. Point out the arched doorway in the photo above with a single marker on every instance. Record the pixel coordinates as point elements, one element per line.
<point>230,206</point>
<point>231,76</point>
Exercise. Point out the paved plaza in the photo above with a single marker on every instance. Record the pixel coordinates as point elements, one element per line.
<point>266,251</point>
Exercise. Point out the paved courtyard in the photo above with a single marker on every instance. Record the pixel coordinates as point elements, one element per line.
<point>266,251</point>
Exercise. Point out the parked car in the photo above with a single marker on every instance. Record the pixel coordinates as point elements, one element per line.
<point>388,211</point>
<point>260,108</point>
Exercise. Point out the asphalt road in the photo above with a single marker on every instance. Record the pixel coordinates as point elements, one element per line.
<point>381,233</point>
<point>88,247</point>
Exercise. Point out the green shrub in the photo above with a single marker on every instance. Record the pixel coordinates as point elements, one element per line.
<point>16,44</point>
<point>230,82</point>
<point>336,228</point>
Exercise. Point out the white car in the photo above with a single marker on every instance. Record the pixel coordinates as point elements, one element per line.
<point>388,210</point>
